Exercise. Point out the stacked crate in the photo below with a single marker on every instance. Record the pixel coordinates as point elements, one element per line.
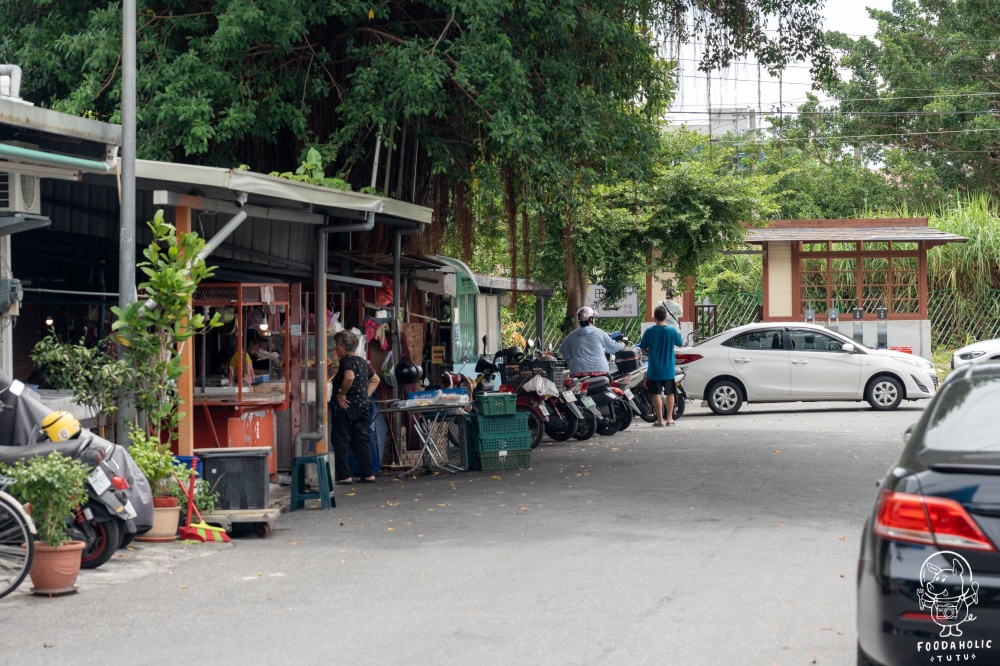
<point>500,436</point>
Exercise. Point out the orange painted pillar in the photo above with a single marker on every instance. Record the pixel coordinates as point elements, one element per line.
<point>185,386</point>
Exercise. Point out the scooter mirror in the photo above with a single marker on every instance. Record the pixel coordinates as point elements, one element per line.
<point>486,340</point>
<point>16,387</point>
<point>531,343</point>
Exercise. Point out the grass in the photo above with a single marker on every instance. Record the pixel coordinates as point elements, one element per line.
<point>942,361</point>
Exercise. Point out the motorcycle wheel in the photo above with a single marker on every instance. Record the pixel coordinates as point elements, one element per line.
<point>586,427</point>
<point>572,424</point>
<point>535,424</point>
<point>645,405</point>
<point>605,427</point>
<point>678,406</point>
<point>625,420</point>
<point>109,535</point>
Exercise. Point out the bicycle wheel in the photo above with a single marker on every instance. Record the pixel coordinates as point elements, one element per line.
<point>17,548</point>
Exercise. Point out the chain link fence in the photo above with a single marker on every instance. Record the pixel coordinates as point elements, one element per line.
<point>957,320</point>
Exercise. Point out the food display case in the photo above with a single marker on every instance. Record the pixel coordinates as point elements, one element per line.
<point>236,394</point>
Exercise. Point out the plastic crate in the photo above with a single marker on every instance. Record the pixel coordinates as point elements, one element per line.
<point>516,374</point>
<point>490,460</point>
<point>502,441</point>
<point>416,395</point>
<point>496,404</point>
<point>239,475</point>
<point>488,425</point>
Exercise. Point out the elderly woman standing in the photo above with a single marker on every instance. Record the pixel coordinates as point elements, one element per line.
<point>354,383</point>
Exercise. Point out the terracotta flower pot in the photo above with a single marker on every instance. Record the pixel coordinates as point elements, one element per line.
<point>166,515</point>
<point>54,570</point>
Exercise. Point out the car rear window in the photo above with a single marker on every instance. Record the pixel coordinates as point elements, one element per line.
<point>964,417</point>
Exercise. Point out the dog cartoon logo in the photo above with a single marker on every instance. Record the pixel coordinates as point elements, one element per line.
<point>948,591</point>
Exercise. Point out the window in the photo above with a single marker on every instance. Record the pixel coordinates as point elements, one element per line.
<point>772,338</point>
<point>804,341</point>
<point>869,274</point>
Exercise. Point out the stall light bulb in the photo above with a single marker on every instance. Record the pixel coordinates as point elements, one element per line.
<point>263,325</point>
<point>48,321</point>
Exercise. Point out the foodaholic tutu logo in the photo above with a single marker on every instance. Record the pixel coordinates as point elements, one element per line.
<point>948,591</point>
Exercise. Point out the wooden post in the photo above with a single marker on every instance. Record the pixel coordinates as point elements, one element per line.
<point>185,386</point>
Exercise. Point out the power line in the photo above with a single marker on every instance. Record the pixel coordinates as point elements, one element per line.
<point>903,134</point>
<point>720,112</point>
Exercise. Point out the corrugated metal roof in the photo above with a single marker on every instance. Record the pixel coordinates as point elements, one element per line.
<point>846,235</point>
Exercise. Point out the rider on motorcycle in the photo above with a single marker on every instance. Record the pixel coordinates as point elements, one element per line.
<point>586,346</point>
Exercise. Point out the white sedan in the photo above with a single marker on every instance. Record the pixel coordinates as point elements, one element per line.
<point>778,362</point>
<point>987,349</point>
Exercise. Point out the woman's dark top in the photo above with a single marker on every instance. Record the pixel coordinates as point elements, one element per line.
<point>357,393</point>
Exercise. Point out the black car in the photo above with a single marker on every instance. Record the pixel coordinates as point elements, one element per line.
<point>929,571</point>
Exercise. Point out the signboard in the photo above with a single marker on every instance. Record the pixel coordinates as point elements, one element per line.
<point>437,354</point>
<point>627,307</point>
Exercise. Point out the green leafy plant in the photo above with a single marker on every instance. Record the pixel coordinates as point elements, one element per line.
<point>204,498</point>
<point>311,171</point>
<point>155,328</point>
<point>153,458</point>
<point>90,373</point>
<point>55,487</point>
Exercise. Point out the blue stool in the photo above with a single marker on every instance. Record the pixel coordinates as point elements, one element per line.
<point>324,477</point>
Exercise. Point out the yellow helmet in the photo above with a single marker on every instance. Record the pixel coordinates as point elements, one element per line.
<point>60,426</point>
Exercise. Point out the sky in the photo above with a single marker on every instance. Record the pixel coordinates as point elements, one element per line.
<point>737,86</point>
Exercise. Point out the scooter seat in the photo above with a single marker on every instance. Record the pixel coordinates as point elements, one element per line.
<point>71,449</point>
<point>597,384</point>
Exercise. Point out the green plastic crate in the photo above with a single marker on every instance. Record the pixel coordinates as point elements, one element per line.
<point>490,460</point>
<point>502,441</point>
<point>497,404</point>
<point>488,425</point>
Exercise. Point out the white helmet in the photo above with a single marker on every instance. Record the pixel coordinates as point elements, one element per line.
<point>585,314</point>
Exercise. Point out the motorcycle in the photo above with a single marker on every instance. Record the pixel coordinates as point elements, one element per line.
<point>680,399</point>
<point>564,412</point>
<point>119,501</point>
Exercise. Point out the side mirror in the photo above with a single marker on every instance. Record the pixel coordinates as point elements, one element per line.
<point>908,432</point>
<point>847,347</point>
<point>486,340</point>
<point>16,387</point>
<point>531,343</point>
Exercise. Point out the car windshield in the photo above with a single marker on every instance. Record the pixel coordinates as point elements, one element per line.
<point>844,338</point>
<point>963,421</point>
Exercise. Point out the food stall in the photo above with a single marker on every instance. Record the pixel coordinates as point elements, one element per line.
<point>236,394</point>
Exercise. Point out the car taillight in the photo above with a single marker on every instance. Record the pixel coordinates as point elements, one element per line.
<point>929,520</point>
<point>120,483</point>
<point>684,359</point>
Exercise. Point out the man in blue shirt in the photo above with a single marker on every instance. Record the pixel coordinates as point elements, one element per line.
<point>658,342</point>
<point>586,346</point>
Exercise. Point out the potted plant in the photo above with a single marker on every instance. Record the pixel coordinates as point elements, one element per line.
<point>54,486</point>
<point>156,462</point>
<point>204,498</point>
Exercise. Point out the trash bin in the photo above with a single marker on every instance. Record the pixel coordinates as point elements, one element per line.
<point>238,474</point>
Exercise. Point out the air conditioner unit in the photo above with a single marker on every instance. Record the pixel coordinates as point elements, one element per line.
<point>20,193</point>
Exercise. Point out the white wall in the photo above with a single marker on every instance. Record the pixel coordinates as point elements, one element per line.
<point>779,280</point>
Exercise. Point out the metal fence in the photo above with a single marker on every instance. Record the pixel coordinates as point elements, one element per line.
<point>955,320</point>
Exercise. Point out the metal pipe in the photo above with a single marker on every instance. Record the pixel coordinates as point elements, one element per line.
<point>378,149</point>
<point>322,257</point>
<point>14,72</point>
<point>66,292</point>
<point>126,238</point>
<point>222,234</point>
<point>52,159</point>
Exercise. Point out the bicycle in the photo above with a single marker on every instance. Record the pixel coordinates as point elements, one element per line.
<point>17,541</point>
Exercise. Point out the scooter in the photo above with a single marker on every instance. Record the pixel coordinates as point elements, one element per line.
<point>119,501</point>
<point>564,410</point>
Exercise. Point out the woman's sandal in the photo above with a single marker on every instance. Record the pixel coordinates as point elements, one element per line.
<point>345,482</point>
<point>370,479</point>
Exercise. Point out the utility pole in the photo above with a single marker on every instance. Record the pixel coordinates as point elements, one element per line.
<point>126,239</point>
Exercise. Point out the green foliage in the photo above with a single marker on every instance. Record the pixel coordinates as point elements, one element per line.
<point>55,486</point>
<point>153,458</point>
<point>154,328</point>
<point>311,171</point>
<point>921,94</point>
<point>92,375</point>
<point>204,499</point>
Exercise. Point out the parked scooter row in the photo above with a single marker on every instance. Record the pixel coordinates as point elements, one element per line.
<point>119,501</point>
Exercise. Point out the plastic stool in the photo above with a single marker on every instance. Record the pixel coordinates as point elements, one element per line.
<point>324,477</point>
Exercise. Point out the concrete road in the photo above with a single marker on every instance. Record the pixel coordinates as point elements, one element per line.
<point>723,540</point>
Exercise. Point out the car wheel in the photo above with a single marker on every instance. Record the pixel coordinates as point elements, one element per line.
<point>725,397</point>
<point>863,659</point>
<point>884,393</point>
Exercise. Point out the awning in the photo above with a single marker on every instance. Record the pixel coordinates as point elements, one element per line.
<point>465,279</point>
<point>313,198</point>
